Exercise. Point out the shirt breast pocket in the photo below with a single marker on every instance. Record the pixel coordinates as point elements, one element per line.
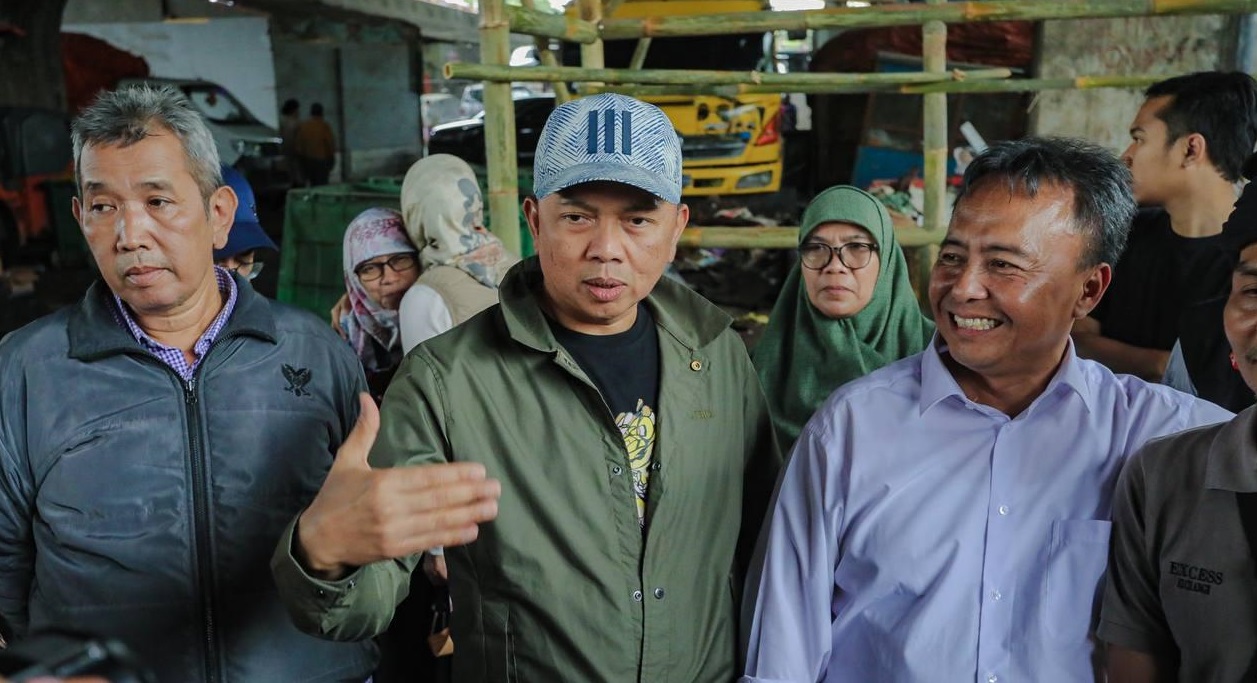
<point>1072,579</point>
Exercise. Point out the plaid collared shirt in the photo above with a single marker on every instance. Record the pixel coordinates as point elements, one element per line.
<point>170,355</point>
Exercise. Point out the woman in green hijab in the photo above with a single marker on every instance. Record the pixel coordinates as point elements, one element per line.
<point>845,311</point>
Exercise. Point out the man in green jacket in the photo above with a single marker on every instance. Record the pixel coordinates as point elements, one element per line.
<point>619,412</point>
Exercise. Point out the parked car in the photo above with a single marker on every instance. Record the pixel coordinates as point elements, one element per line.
<point>465,139</point>
<point>472,101</point>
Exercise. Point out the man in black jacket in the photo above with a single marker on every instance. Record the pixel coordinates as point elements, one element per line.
<point>157,437</point>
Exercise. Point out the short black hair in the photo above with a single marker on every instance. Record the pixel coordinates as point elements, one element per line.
<point>291,106</point>
<point>1220,106</point>
<point>1101,184</point>
<point>316,109</point>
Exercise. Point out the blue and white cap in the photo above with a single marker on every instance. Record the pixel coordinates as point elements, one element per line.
<point>612,138</point>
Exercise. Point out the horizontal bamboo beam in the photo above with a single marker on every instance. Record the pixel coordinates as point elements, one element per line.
<point>559,26</point>
<point>904,14</point>
<point>907,234</point>
<point>566,74</point>
<point>1033,84</point>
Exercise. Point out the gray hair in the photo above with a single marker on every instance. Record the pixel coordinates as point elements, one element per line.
<point>1101,184</point>
<point>124,117</point>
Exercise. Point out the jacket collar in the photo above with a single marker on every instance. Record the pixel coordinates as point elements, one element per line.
<point>678,310</point>
<point>95,333</point>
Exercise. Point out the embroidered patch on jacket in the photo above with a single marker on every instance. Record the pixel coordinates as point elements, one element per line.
<point>1196,579</point>
<point>297,378</point>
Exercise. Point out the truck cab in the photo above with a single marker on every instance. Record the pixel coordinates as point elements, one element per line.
<point>732,145</point>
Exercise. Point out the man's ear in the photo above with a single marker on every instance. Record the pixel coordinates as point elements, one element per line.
<point>1195,150</point>
<point>222,213</point>
<point>683,219</point>
<point>532,214</point>
<point>1093,289</point>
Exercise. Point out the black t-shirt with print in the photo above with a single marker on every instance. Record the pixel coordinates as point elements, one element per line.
<point>625,368</point>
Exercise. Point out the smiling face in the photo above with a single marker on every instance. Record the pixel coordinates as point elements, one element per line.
<point>602,247</point>
<point>1240,316</point>
<point>148,226</point>
<point>1007,286</point>
<point>837,291</point>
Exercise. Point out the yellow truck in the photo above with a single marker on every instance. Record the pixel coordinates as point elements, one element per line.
<point>732,145</point>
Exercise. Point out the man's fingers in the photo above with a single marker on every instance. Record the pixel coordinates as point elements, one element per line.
<point>448,527</point>
<point>449,496</point>
<point>417,478</point>
<point>353,452</point>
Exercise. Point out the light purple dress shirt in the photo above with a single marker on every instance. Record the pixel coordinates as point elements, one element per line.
<point>918,536</point>
<point>170,355</point>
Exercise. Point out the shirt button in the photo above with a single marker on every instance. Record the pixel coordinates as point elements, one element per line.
<point>696,365</point>
<point>992,678</point>
<point>1003,509</point>
<point>996,595</point>
<point>637,596</point>
<point>617,470</point>
<point>659,594</point>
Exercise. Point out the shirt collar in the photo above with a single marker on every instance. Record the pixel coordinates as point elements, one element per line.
<point>1232,457</point>
<point>226,286</point>
<point>937,382</point>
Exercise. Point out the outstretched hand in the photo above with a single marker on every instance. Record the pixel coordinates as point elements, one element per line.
<point>363,515</point>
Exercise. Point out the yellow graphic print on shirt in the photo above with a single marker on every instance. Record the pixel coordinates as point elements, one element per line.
<point>638,430</point>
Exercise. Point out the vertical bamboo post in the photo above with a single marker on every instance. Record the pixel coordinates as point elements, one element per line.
<point>592,55</point>
<point>934,53</point>
<point>499,127</point>
<point>561,93</point>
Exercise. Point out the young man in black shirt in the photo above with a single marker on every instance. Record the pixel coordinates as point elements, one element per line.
<point>1189,142</point>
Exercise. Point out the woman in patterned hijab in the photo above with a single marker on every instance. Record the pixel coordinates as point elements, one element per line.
<point>462,261</point>
<point>380,265</point>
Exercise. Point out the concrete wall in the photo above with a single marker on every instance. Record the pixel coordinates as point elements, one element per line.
<point>366,77</point>
<point>1166,46</point>
<point>235,53</point>
<point>121,11</point>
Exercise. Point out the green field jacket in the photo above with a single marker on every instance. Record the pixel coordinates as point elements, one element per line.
<point>565,585</point>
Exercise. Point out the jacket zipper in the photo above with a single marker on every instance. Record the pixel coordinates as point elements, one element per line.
<point>201,528</point>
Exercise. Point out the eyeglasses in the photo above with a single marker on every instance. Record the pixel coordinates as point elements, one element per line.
<point>248,271</point>
<point>854,255</point>
<point>399,263</point>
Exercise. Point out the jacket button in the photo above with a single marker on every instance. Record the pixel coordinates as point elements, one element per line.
<point>659,594</point>
<point>617,470</point>
<point>352,583</point>
<point>637,596</point>
<point>655,466</point>
<point>696,365</point>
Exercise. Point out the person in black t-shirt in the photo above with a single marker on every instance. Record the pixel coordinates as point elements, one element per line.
<point>1189,142</point>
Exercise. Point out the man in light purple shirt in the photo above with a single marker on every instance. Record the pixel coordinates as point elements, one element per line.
<point>946,518</point>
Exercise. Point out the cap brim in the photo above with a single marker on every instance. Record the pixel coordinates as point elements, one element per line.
<point>602,171</point>
<point>244,236</point>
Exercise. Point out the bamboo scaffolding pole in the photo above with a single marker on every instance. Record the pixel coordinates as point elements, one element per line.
<point>548,58</point>
<point>911,15</point>
<point>529,21</point>
<point>499,127</point>
<point>639,53</point>
<point>1033,84</point>
<point>610,6</point>
<point>934,144</point>
<point>907,234</point>
<point>591,54</point>
<point>506,74</point>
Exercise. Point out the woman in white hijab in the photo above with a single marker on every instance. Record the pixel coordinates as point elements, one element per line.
<point>462,261</point>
